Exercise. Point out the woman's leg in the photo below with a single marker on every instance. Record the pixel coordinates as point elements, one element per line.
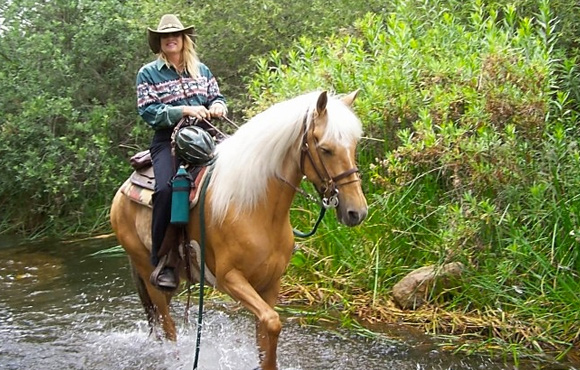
<point>164,166</point>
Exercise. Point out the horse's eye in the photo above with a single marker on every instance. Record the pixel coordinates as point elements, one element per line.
<point>326,151</point>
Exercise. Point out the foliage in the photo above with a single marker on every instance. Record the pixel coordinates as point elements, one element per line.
<point>479,163</point>
<point>65,111</point>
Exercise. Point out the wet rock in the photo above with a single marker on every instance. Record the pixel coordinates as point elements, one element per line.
<point>416,288</point>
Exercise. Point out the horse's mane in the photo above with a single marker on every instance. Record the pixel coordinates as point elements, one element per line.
<point>255,153</point>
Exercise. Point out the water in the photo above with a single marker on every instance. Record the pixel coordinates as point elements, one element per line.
<point>63,307</point>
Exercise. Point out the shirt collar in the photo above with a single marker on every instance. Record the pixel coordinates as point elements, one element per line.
<point>159,63</point>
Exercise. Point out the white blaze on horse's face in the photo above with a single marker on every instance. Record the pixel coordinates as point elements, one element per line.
<point>332,144</point>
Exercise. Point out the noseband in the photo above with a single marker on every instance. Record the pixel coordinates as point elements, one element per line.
<point>330,184</point>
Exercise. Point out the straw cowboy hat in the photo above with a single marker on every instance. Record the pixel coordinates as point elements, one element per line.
<point>169,23</point>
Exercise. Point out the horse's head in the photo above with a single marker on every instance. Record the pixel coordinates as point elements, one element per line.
<point>328,157</point>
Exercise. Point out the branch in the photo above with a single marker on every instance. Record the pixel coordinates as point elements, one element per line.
<point>5,57</point>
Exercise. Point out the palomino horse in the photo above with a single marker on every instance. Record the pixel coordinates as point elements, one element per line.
<point>249,239</point>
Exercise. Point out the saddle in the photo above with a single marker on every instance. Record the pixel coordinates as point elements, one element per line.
<point>140,185</point>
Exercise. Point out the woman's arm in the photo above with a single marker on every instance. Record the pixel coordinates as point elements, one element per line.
<point>157,114</point>
<point>216,101</point>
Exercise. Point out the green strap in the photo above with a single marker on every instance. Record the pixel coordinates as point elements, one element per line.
<point>202,263</point>
<point>306,235</point>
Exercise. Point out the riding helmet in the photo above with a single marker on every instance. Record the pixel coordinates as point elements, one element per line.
<point>194,145</point>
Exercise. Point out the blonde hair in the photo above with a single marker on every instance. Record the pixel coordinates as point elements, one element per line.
<point>189,59</point>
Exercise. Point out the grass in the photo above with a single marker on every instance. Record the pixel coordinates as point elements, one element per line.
<point>517,298</point>
<point>477,162</point>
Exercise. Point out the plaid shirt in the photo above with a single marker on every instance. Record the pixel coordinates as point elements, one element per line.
<point>161,91</point>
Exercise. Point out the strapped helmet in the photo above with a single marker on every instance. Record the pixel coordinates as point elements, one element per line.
<point>194,145</point>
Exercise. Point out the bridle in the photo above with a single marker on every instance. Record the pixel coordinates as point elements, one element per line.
<point>328,190</point>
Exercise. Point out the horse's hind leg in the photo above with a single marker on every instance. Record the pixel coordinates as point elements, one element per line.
<point>127,218</point>
<point>148,305</point>
<point>155,302</point>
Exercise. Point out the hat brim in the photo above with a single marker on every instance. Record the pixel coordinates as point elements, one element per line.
<point>154,36</point>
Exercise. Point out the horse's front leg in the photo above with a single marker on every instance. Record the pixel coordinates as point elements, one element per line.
<point>267,341</point>
<point>268,325</point>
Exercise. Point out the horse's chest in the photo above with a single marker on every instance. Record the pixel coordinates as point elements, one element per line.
<point>268,268</point>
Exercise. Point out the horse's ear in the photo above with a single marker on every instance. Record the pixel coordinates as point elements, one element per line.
<point>321,103</point>
<point>349,99</point>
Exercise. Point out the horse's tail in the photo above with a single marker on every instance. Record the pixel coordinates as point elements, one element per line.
<point>144,296</point>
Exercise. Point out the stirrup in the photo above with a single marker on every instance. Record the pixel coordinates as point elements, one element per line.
<point>154,278</point>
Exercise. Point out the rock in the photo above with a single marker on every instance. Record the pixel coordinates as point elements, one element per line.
<point>416,288</point>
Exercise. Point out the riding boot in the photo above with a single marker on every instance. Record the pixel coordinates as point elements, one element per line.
<point>164,276</point>
<point>170,240</point>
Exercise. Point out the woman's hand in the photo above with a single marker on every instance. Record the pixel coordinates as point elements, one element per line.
<point>196,111</point>
<point>218,110</point>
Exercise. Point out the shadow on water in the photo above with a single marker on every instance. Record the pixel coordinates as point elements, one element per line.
<point>63,307</point>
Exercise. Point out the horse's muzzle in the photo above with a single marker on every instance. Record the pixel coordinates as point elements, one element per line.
<point>352,217</point>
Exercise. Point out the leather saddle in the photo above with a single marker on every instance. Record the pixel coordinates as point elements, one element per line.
<point>174,252</point>
<point>140,185</point>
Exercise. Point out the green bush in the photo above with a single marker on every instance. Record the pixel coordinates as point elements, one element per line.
<point>64,114</point>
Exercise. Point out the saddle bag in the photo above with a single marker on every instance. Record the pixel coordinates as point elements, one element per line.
<point>141,160</point>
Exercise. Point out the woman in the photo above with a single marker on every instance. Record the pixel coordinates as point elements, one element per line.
<point>174,86</point>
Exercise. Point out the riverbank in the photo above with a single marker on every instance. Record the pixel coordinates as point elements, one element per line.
<point>501,336</point>
<point>494,333</point>
<point>513,335</point>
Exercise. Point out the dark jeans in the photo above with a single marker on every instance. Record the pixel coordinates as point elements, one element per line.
<point>165,167</point>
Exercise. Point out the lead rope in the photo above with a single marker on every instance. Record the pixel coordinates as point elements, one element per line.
<point>202,265</point>
<point>300,234</point>
<point>311,198</point>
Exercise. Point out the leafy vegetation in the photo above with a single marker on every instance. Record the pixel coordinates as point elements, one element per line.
<point>479,165</point>
<point>471,117</point>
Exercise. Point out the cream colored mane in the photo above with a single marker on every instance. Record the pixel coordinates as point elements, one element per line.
<point>255,153</point>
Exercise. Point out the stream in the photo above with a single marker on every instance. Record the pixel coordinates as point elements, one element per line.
<point>65,306</point>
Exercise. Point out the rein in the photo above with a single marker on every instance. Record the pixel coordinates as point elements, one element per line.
<point>300,234</point>
<point>202,264</point>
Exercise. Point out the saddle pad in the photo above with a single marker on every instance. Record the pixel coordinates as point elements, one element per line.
<point>139,187</point>
<point>137,193</point>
